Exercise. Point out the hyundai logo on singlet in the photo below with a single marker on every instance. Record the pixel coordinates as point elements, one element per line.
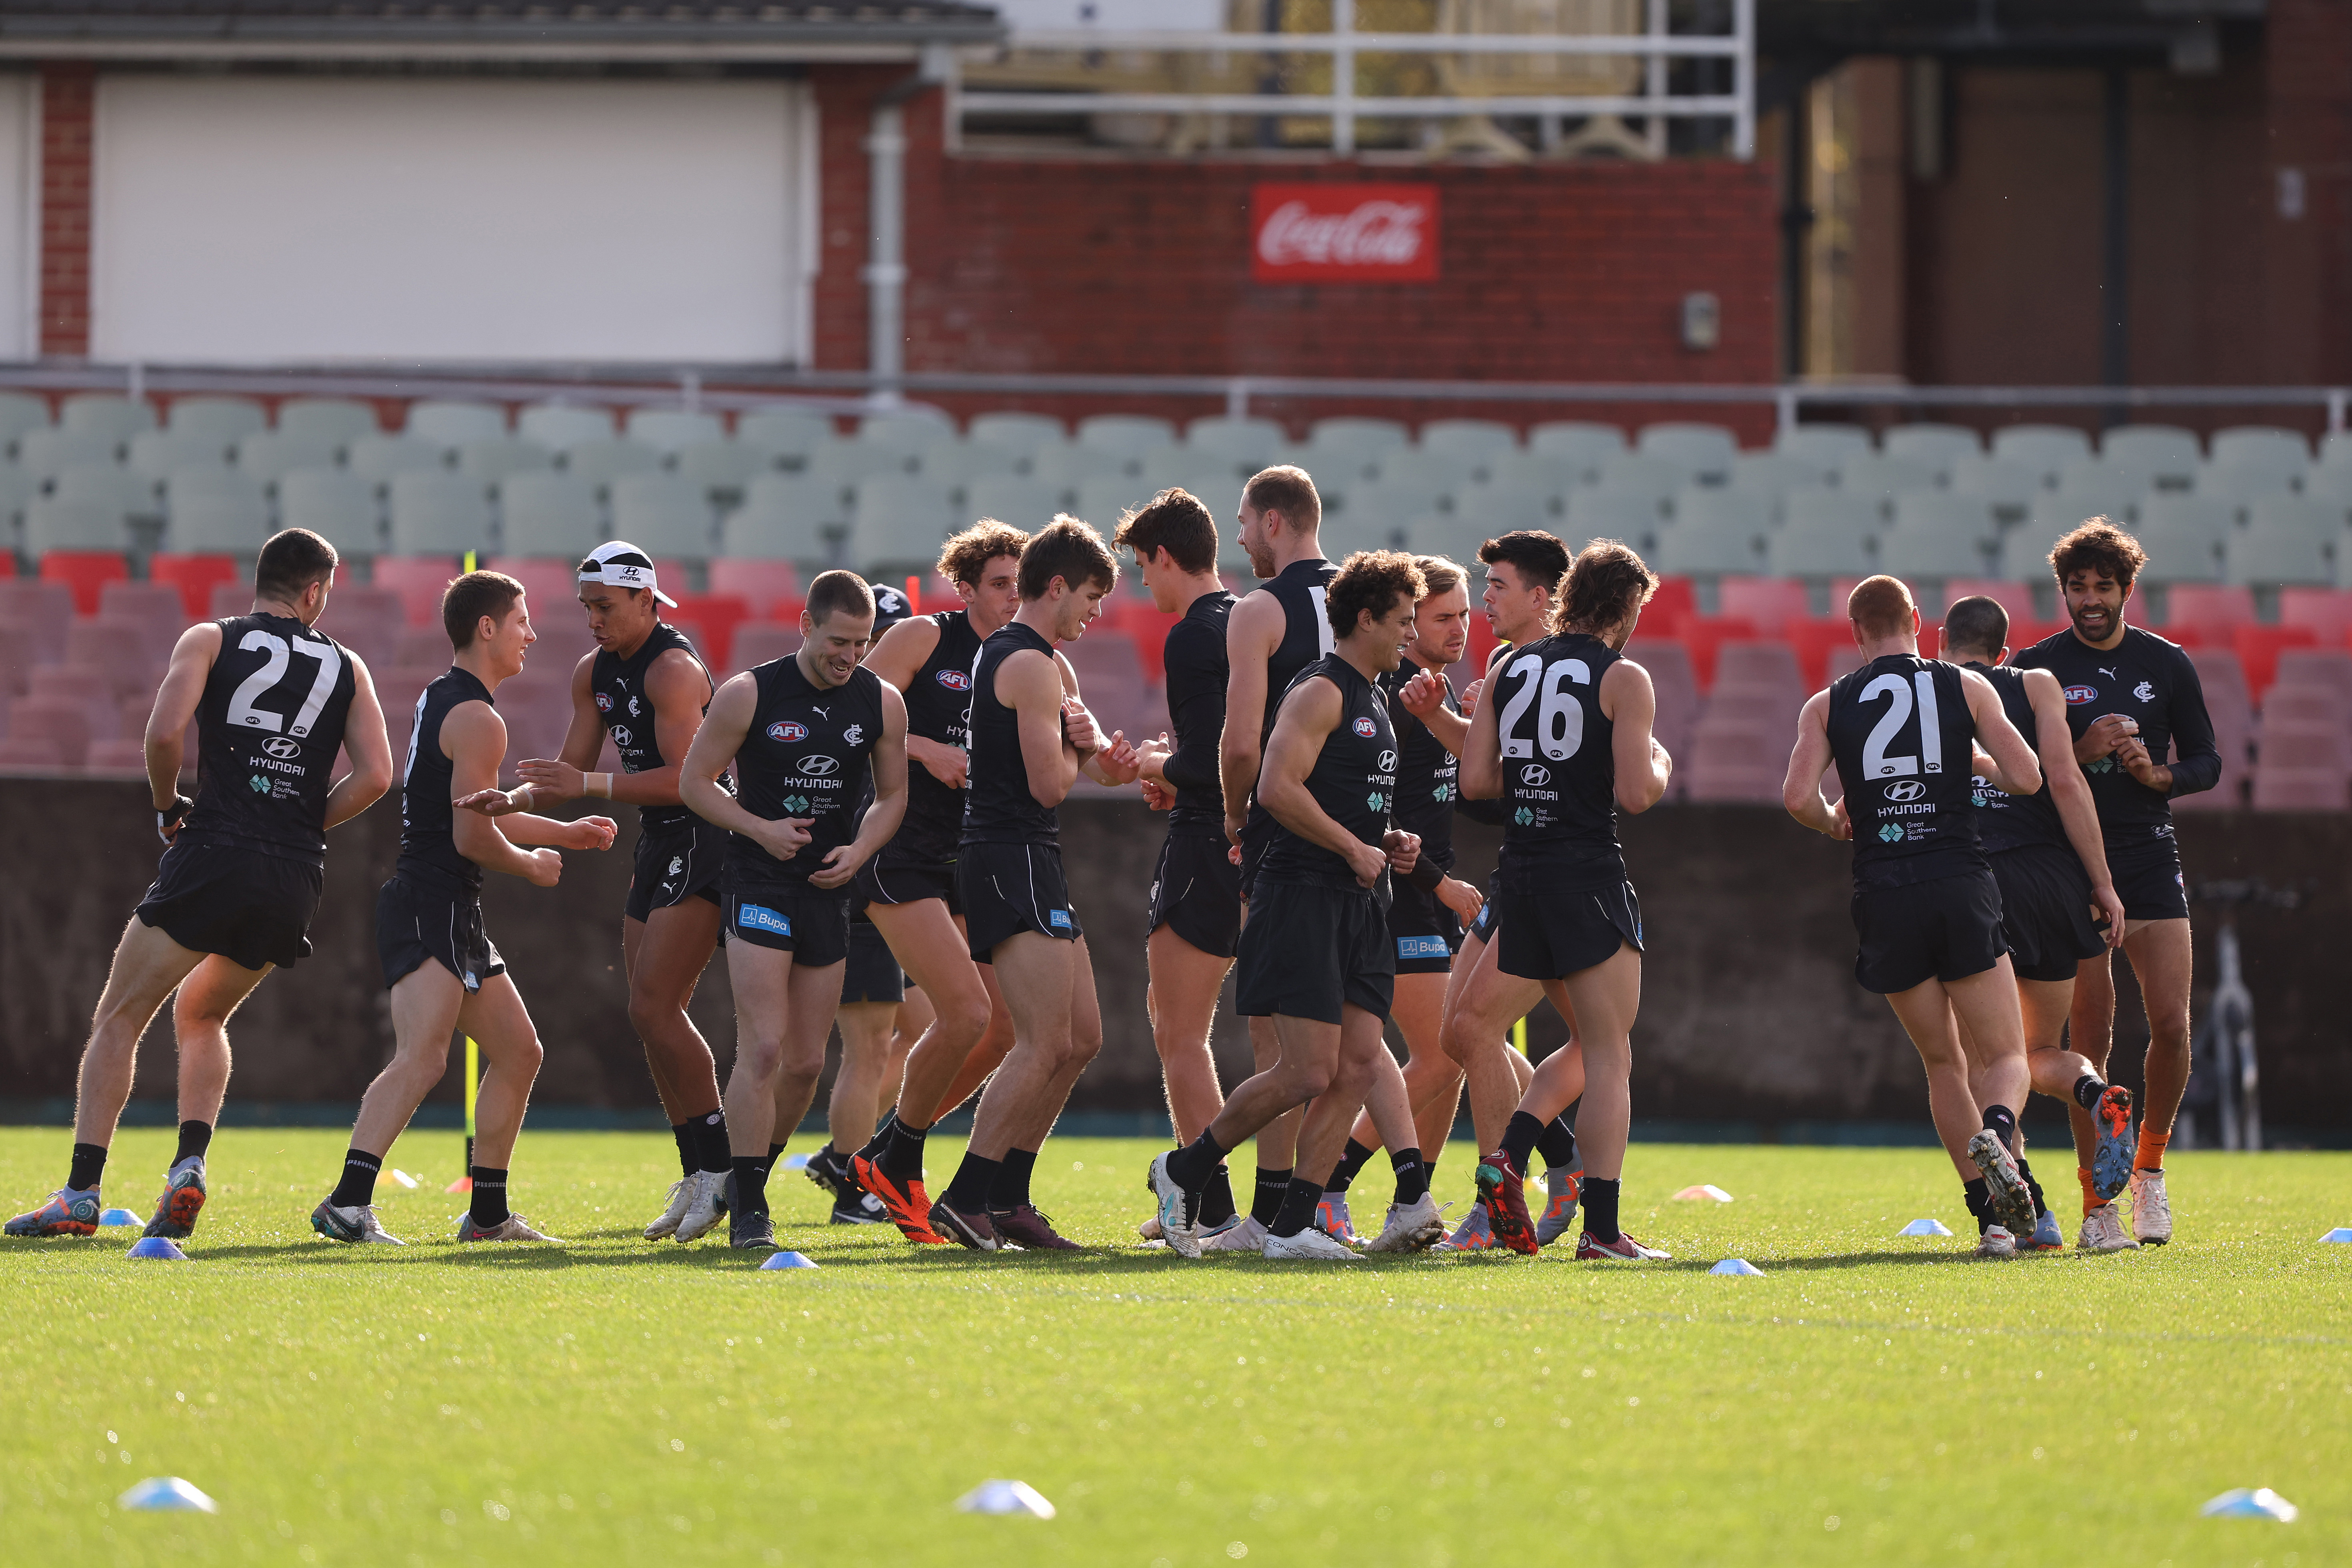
<point>1387,762</point>
<point>1535,775</point>
<point>1367,729</point>
<point>819,767</point>
<point>2078,695</point>
<point>280,747</point>
<point>1907,789</point>
<point>955,679</point>
<point>785,730</point>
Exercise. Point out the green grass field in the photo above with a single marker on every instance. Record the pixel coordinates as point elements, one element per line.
<point>1869,1400</point>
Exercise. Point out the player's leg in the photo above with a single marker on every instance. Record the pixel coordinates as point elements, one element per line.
<point>802,1062</point>
<point>673,946</point>
<point>1488,1004</point>
<point>1276,1152</point>
<point>868,1030</point>
<point>763,979</point>
<point>930,947</point>
<point>2163,963</point>
<point>1596,1070</point>
<point>985,1058</point>
<point>1348,1056</point>
<point>425,1005</point>
<point>1183,1001</point>
<point>1011,1209</point>
<point>495,1019</point>
<point>1036,973</point>
<point>1430,1082</point>
<point>2098,1112</point>
<point>200,1013</point>
<point>1980,1152</point>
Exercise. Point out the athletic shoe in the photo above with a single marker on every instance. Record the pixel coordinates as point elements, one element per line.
<point>681,1197</point>
<point>1175,1216</point>
<point>1246,1234</point>
<point>1029,1229</point>
<point>1624,1249</point>
<point>2008,1202</point>
<point>514,1227</point>
<point>2151,1210</point>
<point>1996,1242</point>
<point>2047,1237</point>
<point>1309,1242</point>
<point>1149,1230</point>
<point>970,1230</point>
<point>1562,1188</point>
<point>2111,1160</point>
<point>1331,1217</point>
<point>357,1223</point>
<point>1412,1227</point>
<point>2103,1231</point>
<point>855,1207</point>
<point>706,1206</point>
<point>827,1168</point>
<point>1505,1196</point>
<point>67,1213</point>
<point>1473,1235</point>
<point>907,1204</point>
<point>751,1232</point>
<point>182,1201</point>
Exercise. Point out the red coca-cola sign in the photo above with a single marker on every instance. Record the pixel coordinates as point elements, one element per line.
<point>1343,234</point>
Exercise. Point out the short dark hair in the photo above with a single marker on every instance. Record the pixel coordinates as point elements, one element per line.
<point>1070,549</point>
<point>833,592</point>
<point>1538,556</point>
<point>2097,545</point>
<point>1173,521</point>
<point>470,597</point>
<point>968,553</point>
<point>290,562</point>
<point>1977,623</point>
<point>1370,579</point>
<point>1881,605</point>
<point>1606,586</point>
<point>1288,489</point>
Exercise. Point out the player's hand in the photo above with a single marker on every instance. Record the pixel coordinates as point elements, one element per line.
<point>546,868</point>
<point>2133,758</point>
<point>1423,695</point>
<point>1116,761</point>
<point>837,868</point>
<point>1367,861</point>
<point>1079,726</point>
<point>1234,833</point>
<point>1149,755</point>
<point>559,778</point>
<point>2106,732</point>
<point>593,833</point>
<point>1402,849</point>
<point>1234,857</point>
<point>1840,822</point>
<point>1464,900</point>
<point>946,763</point>
<point>169,818</point>
<point>1157,796</point>
<point>2107,911</point>
<point>492,803</point>
<point>1469,698</point>
<point>783,837</point>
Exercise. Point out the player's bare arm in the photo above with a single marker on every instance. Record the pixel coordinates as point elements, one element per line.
<point>1031,684</point>
<point>1305,722</point>
<point>369,749</point>
<point>714,748</point>
<point>1112,761</point>
<point>1482,758</point>
<point>2012,757</point>
<point>167,722</point>
<point>521,844</point>
<point>1425,698</point>
<point>1252,634</point>
<point>897,657</point>
<point>1643,768</point>
<point>1801,791</point>
<point>889,808</point>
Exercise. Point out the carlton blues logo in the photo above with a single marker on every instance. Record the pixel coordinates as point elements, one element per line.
<point>1367,729</point>
<point>2078,695</point>
<point>785,730</point>
<point>955,679</point>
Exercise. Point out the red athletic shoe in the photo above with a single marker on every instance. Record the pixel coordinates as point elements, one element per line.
<point>910,1205</point>
<point>1624,1249</point>
<point>1501,1189</point>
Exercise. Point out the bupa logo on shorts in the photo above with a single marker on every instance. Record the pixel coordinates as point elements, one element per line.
<point>604,703</point>
<point>760,917</point>
<point>1367,729</point>
<point>1535,775</point>
<point>282,748</point>
<point>2078,695</point>
<point>1058,919</point>
<point>1422,947</point>
<point>955,679</point>
<point>819,767</point>
<point>1907,789</point>
<point>785,730</point>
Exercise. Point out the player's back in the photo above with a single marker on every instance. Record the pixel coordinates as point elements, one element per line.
<point>267,728</point>
<point>1299,589</point>
<point>1902,735</point>
<point>939,705</point>
<point>2015,821</point>
<point>1195,661</point>
<point>1560,765</point>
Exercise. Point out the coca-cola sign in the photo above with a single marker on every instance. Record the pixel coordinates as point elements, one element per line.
<point>1343,234</point>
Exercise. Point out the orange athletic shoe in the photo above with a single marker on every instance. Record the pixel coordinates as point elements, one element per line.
<point>910,1206</point>
<point>1505,1196</point>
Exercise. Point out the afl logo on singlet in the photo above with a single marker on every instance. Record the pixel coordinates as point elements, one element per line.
<point>955,679</point>
<point>604,703</point>
<point>2078,695</point>
<point>1367,729</point>
<point>785,730</point>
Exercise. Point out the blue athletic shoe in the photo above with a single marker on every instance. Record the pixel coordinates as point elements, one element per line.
<point>67,1213</point>
<point>2046,1236</point>
<point>2111,1160</point>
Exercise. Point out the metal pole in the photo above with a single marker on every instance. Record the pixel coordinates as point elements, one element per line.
<point>1343,79</point>
<point>1743,72</point>
<point>885,268</point>
<point>1653,81</point>
<point>2336,399</point>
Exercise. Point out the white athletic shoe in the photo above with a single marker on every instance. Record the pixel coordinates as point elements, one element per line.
<point>2151,1211</point>
<point>704,1206</point>
<point>353,1225</point>
<point>1176,1226</point>
<point>1244,1235</point>
<point>1412,1227</point>
<point>2103,1231</point>
<point>514,1227</point>
<point>2007,1197</point>
<point>681,1197</point>
<point>1149,1230</point>
<point>1309,1242</point>
<point>1996,1242</point>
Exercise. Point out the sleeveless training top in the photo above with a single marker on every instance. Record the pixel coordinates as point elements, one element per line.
<point>1901,732</point>
<point>1307,637</point>
<point>1559,766</point>
<point>1195,660</point>
<point>267,728</point>
<point>1354,780</point>
<point>1428,775</point>
<point>808,753</point>
<point>2015,821</point>
<point>428,853</point>
<point>998,806</point>
<point>619,687</point>
<point>939,706</point>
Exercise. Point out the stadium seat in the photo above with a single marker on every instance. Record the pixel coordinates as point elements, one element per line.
<point>1824,446</point>
<point>1019,435</point>
<point>63,723</point>
<point>908,430</point>
<point>2284,453</point>
<point>2157,454</point>
<point>1937,535</point>
<point>438,514</point>
<point>954,465</point>
<point>2302,767</point>
<point>236,598</point>
<point>1737,755</point>
<point>783,430</point>
<point>545,513</point>
<point>2330,486</point>
<point>763,642</point>
<point>1669,665</point>
<point>335,422</point>
<point>112,418</point>
<point>1774,474</point>
<point>2327,611</point>
<point>1246,443</point>
<point>897,526</point>
<point>1813,640</point>
<point>449,424</point>
<point>722,470</point>
<point>268,456</point>
<point>2213,607</point>
<point>122,650</point>
<point>420,581</point>
<point>2201,516</point>
<point>604,459</point>
<point>197,575</point>
<point>2185,555</point>
<point>1879,477</point>
<point>1475,441</point>
<point>221,422</point>
<point>48,452</point>
<point>215,511</point>
<point>155,455</point>
<point>486,462</point>
<point>20,414</point>
<point>15,656</point>
<point>845,465</point>
<point>2241,487</point>
<point>1701,635</point>
<point>2014,597</point>
<point>551,585</point>
<point>44,608</point>
<point>129,496</point>
<point>2271,556</point>
<point>1025,503</point>
<point>2059,511</point>
<point>664,514</point>
<point>366,617</point>
<point>1935,446</point>
<point>1769,603</point>
<point>1439,473</point>
<point>2258,649</point>
<point>2041,448</point>
<point>1635,517</point>
<point>1340,442</point>
<point>17,488</point>
<point>88,686</point>
<point>2231,707</point>
<point>1705,451</point>
<point>57,523</point>
<point>1580,441</point>
<point>1064,468</point>
<point>337,504</point>
<point>1548,476</point>
<point>2296,514</point>
<point>673,430</point>
<point>1676,601</point>
<point>377,458</point>
<point>2012,489</point>
<point>1643,472</point>
<point>785,517</point>
<point>2325,668</point>
<point>719,615</point>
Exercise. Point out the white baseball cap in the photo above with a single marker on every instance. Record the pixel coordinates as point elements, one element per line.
<point>617,564</point>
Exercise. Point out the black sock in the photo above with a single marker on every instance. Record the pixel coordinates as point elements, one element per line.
<point>1557,1145</point>
<point>684,1132</point>
<point>196,1141</point>
<point>710,1142</point>
<point>1412,1175</point>
<point>1296,1211</point>
<point>2025,1169</point>
<point>1519,1139</point>
<point>1600,1208</point>
<point>88,1167</point>
<point>1216,1200</point>
<point>1980,1202</point>
<point>2001,1122</point>
<point>750,1183</point>
<point>489,1204</point>
<point>967,1193</point>
<point>357,1185</point>
<point>767,1162</point>
<point>1010,1188</point>
<point>1195,1163</point>
<point>902,1152</point>
<point>872,1148</point>
<point>2087,1090</point>
<point>1266,1203</point>
<point>1343,1174</point>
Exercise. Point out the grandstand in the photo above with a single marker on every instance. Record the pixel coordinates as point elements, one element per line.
<point>124,522</point>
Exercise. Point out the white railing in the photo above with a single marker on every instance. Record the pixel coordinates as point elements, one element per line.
<point>1656,48</point>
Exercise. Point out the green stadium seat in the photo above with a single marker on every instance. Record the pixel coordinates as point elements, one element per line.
<point>896,526</point>
<point>1067,467</point>
<point>544,513</point>
<point>16,488</point>
<point>1479,443</point>
<point>378,458</point>
<point>673,430</point>
<point>1700,547</point>
<point>2012,489</point>
<point>663,514</point>
<point>488,461</point>
<point>785,517</point>
<point>2237,487</point>
<point>909,430</point>
<point>450,422</point>
<point>214,510</point>
<point>1025,503</point>
<point>559,426</point>
<point>954,465</point>
<point>1825,445</point>
<point>48,451</point>
<point>1128,435</point>
<point>600,462</point>
<point>267,456</point>
<point>1773,474</point>
<point>1705,451</point>
<point>2267,447</point>
<point>1645,472</point>
<point>438,514</point>
<point>1016,434</point>
<point>335,422</point>
<point>2043,448</point>
<point>336,504</point>
<point>2097,493</point>
<point>1244,443</point>
<point>2170,512</point>
<point>107,416</point>
<point>2183,554</point>
<point>222,421</point>
<point>1580,441</point>
<point>1339,452</point>
<point>1551,474</point>
<point>156,454</point>
<point>1605,511</point>
<point>1879,477</point>
<point>2271,556</point>
<point>127,495</point>
<point>2156,455</point>
<point>1820,546</point>
<point>21,413</point>
<point>722,469</point>
<point>845,465</point>
<point>1935,445</point>
<point>782,431</point>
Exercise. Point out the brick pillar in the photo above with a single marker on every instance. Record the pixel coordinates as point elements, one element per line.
<point>2308,137</point>
<point>69,94</point>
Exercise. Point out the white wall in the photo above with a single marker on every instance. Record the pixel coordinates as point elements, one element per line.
<point>20,248</point>
<point>260,220</point>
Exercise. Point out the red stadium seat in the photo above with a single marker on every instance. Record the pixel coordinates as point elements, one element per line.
<point>1702,634</point>
<point>120,646</point>
<point>2329,668</point>
<point>1149,628</point>
<point>86,684</point>
<point>1678,689</point>
<point>761,642</point>
<point>420,581</point>
<point>2017,598</point>
<point>125,759</point>
<point>236,598</point>
<point>2231,708</point>
<point>761,585</point>
<point>8,565</point>
<point>720,615</point>
<point>2213,607</point>
<point>1738,756</point>
<point>2326,611</point>
<point>60,721</point>
<point>196,576</point>
<point>1769,601</point>
<point>15,659</point>
<point>2303,767</point>
<point>44,609</point>
<point>1813,640</point>
<point>1675,598</point>
<point>157,607</point>
<point>31,754</point>
<point>551,586</point>
<point>2258,649</point>
<point>85,572</point>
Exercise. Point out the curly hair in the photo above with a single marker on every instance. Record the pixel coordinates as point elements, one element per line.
<point>1605,586</point>
<point>1070,549</point>
<point>2098,546</point>
<point>968,553</point>
<point>1370,579</point>
<point>1174,520</point>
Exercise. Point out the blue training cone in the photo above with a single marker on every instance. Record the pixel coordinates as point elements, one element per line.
<point>796,1161</point>
<point>158,1247</point>
<point>1735,1266</point>
<point>2341,1232</point>
<point>2251,1502</point>
<point>118,1216</point>
<point>787,1260</point>
<point>1925,1227</point>
<point>166,1494</point>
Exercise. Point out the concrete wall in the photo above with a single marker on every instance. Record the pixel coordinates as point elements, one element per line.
<point>1750,1014</point>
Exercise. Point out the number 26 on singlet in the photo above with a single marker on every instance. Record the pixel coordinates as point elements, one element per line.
<point>1559,716</point>
<point>275,655</point>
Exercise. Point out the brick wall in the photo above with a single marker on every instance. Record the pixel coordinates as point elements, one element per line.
<point>69,93</point>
